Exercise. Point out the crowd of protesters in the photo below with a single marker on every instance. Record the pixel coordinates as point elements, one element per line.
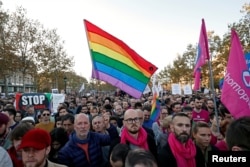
<point>103,130</point>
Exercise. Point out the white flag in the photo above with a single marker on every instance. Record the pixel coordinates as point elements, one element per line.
<point>147,90</point>
<point>82,88</point>
<point>160,89</point>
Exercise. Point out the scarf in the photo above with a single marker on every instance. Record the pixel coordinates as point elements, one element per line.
<point>141,140</point>
<point>83,144</point>
<point>79,141</point>
<point>184,155</point>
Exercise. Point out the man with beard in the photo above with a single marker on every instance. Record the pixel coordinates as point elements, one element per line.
<point>198,113</point>
<point>134,135</point>
<point>210,105</point>
<point>35,147</point>
<point>180,151</point>
<point>119,113</point>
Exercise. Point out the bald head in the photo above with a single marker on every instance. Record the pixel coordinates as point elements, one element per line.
<point>130,113</point>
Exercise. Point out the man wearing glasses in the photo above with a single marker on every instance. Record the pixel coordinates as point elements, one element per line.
<point>134,135</point>
<point>45,123</point>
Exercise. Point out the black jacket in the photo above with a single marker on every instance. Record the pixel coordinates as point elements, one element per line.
<point>166,157</point>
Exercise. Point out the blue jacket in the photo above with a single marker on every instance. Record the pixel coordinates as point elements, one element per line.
<point>73,156</point>
<point>148,123</point>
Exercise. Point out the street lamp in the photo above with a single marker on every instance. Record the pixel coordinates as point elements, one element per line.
<point>65,83</point>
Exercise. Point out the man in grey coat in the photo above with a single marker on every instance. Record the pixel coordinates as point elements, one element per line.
<point>5,158</point>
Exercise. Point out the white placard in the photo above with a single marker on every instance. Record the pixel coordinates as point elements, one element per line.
<point>176,89</point>
<point>56,100</point>
<point>206,91</point>
<point>187,90</point>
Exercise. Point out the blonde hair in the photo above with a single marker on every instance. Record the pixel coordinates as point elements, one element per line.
<point>167,121</point>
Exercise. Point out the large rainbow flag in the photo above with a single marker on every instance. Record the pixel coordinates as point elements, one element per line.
<point>116,63</point>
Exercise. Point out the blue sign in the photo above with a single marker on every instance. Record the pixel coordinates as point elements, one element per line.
<point>247,57</point>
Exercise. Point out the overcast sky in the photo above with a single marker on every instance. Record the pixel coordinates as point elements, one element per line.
<point>156,29</point>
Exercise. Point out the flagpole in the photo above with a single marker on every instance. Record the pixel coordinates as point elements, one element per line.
<point>204,32</point>
<point>213,93</point>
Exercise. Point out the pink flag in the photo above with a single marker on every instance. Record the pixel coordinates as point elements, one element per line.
<point>236,87</point>
<point>197,79</point>
<point>202,55</point>
<point>202,50</point>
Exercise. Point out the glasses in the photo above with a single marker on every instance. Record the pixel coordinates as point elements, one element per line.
<point>46,115</point>
<point>131,120</point>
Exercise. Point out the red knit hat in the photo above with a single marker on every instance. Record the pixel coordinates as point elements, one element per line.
<point>4,119</point>
<point>36,138</point>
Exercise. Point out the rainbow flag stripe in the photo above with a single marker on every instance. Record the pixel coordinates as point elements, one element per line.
<point>116,63</point>
<point>156,108</point>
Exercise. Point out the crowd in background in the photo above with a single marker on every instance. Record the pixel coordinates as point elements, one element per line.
<point>117,130</point>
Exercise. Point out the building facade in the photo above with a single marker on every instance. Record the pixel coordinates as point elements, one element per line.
<point>16,83</point>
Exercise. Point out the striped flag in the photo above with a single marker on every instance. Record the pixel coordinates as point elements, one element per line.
<point>116,63</point>
<point>156,104</point>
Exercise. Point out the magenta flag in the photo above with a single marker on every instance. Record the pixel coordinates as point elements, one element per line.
<point>202,55</point>
<point>236,87</point>
<point>197,79</point>
<point>202,50</point>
